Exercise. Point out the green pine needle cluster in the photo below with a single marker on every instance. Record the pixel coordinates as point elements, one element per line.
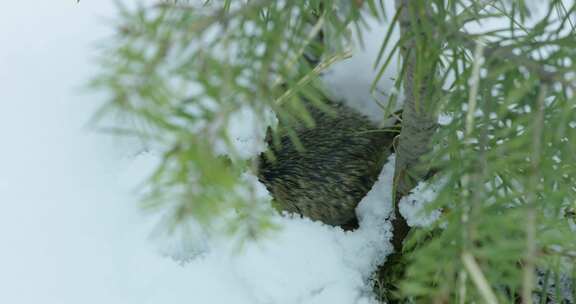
<point>507,158</point>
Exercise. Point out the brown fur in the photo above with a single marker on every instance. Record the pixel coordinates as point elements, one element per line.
<point>342,158</point>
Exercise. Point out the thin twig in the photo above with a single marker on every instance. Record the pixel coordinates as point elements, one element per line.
<point>470,204</point>
<point>559,252</point>
<point>506,53</point>
<point>313,32</point>
<point>315,72</point>
<point>478,278</point>
<point>531,247</point>
<point>219,16</point>
<point>463,278</point>
<point>467,15</point>
<point>474,84</point>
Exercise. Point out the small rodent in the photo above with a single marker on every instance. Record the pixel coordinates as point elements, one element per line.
<point>342,158</point>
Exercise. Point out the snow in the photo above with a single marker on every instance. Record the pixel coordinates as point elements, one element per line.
<point>350,80</point>
<point>302,262</point>
<point>247,133</point>
<point>413,206</point>
<point>70,228</point>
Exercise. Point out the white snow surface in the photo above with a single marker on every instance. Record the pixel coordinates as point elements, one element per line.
<point>413,206</point>
<point>349,81</point>
<point>302,262</point>
<point>70,228</point>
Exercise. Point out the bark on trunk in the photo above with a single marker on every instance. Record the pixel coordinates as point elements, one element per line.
<point>419,123</point>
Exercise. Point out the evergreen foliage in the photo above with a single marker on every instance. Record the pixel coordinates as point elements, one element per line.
<point>177,73</point>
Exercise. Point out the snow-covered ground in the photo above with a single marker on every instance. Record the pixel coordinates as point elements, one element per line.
<point>70,229</point>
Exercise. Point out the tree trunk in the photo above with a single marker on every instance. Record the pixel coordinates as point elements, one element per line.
<point>419,123</point>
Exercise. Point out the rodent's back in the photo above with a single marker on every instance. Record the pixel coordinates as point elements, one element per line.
<point>341,160</point>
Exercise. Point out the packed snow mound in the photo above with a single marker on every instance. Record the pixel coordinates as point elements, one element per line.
<point>301,262</point>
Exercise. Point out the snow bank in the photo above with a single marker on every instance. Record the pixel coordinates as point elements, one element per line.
<point>302,262</point>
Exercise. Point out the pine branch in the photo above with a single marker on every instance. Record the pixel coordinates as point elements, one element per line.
<point>531,247</point>
<point>497,52</point>
<point>471,199</point>
<point>222,15</point>
<point>312,74</point>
